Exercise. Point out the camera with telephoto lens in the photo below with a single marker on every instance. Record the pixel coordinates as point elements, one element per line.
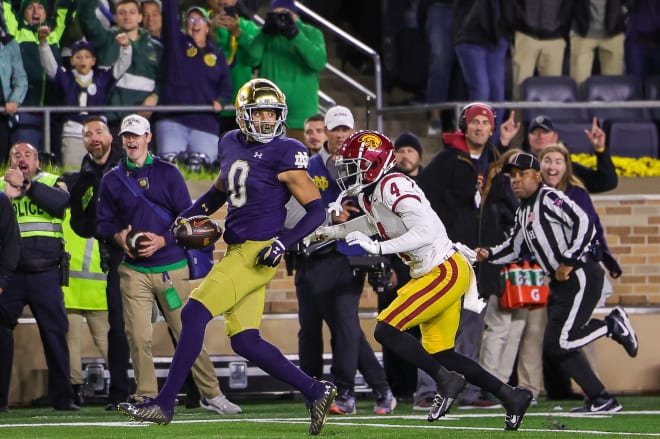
<point>378,268</point>
<point>281,18</point>
<point>231,10</point>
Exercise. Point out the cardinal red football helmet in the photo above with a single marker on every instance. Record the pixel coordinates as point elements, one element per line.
<point>363,159</point>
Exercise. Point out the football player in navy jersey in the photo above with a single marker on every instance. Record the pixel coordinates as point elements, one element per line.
<point>260,169</point>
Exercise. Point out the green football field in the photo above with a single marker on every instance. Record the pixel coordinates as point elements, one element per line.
<point>288,418</point>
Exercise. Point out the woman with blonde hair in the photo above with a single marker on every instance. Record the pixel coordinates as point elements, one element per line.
<point>557,172</point>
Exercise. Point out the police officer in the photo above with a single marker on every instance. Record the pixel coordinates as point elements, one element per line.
<point>10,247</point>
<point>559,234</point>
<point>40,202</point>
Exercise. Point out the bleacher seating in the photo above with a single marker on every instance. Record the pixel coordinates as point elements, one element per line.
<point>552,89</point>
<point>610,88</point>
<point>634,139</point>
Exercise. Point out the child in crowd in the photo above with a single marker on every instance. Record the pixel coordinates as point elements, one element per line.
<point>83,85</point>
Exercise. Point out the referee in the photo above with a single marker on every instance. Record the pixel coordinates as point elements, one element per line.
<point>560,235</point>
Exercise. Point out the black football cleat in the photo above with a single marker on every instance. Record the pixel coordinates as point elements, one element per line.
<point>621,330</point>
<point>450,385</point>
<point>516,401</point>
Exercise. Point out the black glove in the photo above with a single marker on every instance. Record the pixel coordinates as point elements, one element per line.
<point>287,27</point>
<point>270,26</point>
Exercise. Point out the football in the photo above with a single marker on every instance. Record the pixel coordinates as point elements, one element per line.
<point>136,239</point>
<point>197,232</point>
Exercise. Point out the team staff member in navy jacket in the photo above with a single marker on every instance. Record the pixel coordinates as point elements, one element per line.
<point>196,74</point>
<point>152,270</point>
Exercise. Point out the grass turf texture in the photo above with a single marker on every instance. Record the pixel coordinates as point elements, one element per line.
<point>288,418</point>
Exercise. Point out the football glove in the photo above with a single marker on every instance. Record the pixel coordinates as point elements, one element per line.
<point>272,254</point>
<point>368,244</point>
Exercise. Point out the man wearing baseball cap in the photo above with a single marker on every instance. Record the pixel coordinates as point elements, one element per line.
<point>454,182</point>
<point>542,132</point>
<point>144,193</point>
<point>329,289</point>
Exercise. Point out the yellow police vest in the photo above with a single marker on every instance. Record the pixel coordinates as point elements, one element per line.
<point>32,219</point>
<point>87,282</point>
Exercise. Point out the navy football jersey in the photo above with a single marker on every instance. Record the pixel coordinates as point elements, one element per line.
<point>256,198</point>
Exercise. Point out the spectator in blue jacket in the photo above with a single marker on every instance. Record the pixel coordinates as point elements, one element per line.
<point>13,87</point>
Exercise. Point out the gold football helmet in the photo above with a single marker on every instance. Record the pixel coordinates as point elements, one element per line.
<point>260,94</point>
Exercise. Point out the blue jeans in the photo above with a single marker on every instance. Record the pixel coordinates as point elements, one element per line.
<point>641,60</point>
<point>174,137</point>
<point>439,23</point>
<point>483,70</point>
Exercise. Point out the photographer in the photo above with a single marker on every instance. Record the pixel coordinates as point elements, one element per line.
<point>291,54</point>
<point>232,32</point>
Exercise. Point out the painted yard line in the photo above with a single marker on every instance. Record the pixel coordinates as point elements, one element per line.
<point>350,422</point>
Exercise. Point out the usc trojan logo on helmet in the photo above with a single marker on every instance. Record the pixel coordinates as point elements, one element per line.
<point>370,141</point>
<point>363,159</point>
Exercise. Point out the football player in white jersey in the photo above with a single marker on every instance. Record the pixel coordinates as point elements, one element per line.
<point>398,213</point>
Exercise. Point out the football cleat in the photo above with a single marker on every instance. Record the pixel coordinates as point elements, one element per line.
<point>148,411</point>
<point>516,401</point>
<point>318,409</point>
<point>450,385</point>
<point>621,330</point>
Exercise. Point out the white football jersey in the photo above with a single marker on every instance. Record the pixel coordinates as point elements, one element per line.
<point>407,224</point>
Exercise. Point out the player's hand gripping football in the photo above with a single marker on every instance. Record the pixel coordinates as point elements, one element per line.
<point>272,254</point>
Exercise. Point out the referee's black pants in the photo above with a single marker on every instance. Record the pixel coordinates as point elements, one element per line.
<point>570,326</point>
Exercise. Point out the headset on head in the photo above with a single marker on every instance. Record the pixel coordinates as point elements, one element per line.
<point>462,123</point>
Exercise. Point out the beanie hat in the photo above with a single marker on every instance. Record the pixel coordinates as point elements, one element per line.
<point>480,110</point>
<point>288,4</point>
<point>25,3</point>
<point>407,138</point>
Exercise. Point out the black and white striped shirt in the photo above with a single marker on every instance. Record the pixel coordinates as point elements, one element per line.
<point>554,228</point>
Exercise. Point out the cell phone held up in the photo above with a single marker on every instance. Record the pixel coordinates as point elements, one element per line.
<point>230,10</point>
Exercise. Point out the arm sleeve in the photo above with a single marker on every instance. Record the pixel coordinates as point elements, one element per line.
<point>601,179</point>
<point>310,46</point>
<point>91,26</point>
<point>211,201</point>
<point>48,61</point>
<point>19,82</point>
<point>579,227</point>
<point>53,199</point>
<point>123,62</point>
<point>314,216</point>
<point>416,220</point>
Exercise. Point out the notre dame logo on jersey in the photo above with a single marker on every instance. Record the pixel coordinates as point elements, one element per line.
<point>301,160</point>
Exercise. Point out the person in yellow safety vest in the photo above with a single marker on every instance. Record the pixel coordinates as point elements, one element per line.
<point>40,200</point>
<point>84,297</point>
